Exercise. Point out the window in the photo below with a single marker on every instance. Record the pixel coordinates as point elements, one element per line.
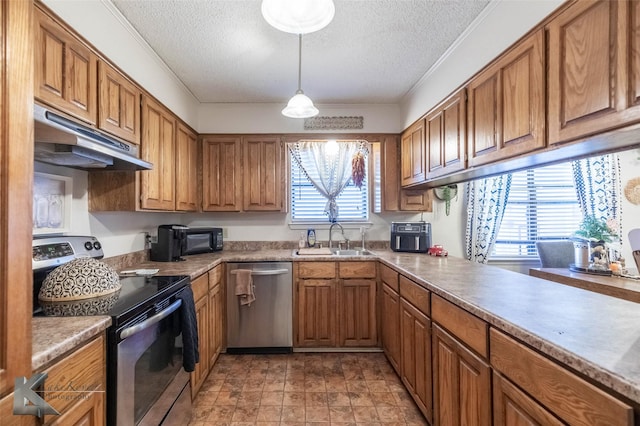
<point>307,204</point>
<point>542,205</point>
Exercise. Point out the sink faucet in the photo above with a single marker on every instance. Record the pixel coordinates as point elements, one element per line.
<point>341,230</point>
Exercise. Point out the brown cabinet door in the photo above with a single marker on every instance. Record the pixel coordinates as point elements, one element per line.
<point>316,313</point>
<point>413,166</point>
<point>118,104</point>
<point>506,105</point>
<point>262,169</point>
<point>89,411</point>
<point>158,147</point>
<point>215,314</point>
<point>199,374</point>
<point>593,74</point>
<point>221,176</point>
<point>358,321</point>
<point>461,383</point>
<point>65,70</point>
<point>390,321</point>
<point>186,169</point>
<point>393,197</point>
<point>511,406</point>
<point>446,133</point>
<point>416,356</point>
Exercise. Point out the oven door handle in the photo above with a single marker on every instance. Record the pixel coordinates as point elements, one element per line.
<point>130,331</point>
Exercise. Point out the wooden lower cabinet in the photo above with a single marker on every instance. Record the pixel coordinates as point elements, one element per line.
<point>316,307</point>
<point>87,412</point>
<point>216,309</point>
<point>358,324</point>
<point>200,287</point>
<point>208,294</point>
<point>390,325</point>
<point>511,406</point>
<point>84,369</point>
<point>335,304</point>
<point>548,384</point>
<point>461,383</point>
<point>416,356</point>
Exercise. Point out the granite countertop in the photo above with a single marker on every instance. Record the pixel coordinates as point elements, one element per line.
<point>594,334</point>
<point>55,336</point>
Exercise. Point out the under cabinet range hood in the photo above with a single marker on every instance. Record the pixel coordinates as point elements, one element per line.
<point>64,142</point>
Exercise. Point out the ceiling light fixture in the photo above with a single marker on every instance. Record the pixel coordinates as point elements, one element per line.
<point>298,16</point>
<point>300,106</point>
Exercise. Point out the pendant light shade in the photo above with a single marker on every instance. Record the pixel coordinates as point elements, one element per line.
<point>298,16</point>
<point>300,106</point>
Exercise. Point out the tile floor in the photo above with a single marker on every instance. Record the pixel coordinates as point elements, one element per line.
<point>304,389</point>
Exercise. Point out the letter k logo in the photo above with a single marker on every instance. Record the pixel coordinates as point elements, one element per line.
<point>24,393</point>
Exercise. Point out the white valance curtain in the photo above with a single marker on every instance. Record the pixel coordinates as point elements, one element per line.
<point>332,161</point>
<point>486,202</point>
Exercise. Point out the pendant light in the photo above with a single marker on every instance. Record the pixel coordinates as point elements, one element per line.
<point>300,106</point>
<point>298,16</point>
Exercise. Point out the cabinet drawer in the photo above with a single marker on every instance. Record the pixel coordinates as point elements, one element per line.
<point>316,269</point>
<point>466,327</point>
<point>389,277</point>
<point>357,269</point>
<point>569,397</point>
<point>415,294</point>
<point>200,286</point>
<point>215,276</point>
<point>83,370</point>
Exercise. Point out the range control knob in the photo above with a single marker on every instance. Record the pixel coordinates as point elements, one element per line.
<point>88,246</point>
<point>97,245</point>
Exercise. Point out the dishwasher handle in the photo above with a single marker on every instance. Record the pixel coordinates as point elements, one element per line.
<point>263,272</point>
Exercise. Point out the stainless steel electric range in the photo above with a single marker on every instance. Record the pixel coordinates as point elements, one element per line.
<point>146,381</point>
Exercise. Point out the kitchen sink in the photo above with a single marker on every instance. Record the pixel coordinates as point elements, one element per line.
<point>350,252</point>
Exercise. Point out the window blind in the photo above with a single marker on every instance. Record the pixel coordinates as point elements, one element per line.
<point>307,204</point>
<point>542,205</point>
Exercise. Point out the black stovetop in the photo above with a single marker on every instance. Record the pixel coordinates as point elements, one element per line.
<point>138,295</point>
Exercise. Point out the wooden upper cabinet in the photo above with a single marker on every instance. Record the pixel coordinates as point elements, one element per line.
<point>221,177</point>
<point>594,69</point>
<point>262,173</point>
<point>65,70</point>
<point>413,167</point>
<point>186,169</point>
<point>446,128</point>
<point>118,104</point>
<point>506,104</point>
<point>157,186</point>
<point>394,198</point>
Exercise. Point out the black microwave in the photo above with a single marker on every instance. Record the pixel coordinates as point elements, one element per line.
<point>202,240</point>
<point>175,241</point>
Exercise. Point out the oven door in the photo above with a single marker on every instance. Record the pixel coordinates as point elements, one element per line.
<point>150,377</point>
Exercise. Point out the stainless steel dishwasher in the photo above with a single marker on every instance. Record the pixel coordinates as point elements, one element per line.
<point>266,325</point>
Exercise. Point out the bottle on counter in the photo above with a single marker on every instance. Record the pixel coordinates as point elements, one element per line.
<point>311,237</point>
<point>301,242</point>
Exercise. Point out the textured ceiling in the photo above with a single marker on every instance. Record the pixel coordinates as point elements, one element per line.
<point>374,51</point>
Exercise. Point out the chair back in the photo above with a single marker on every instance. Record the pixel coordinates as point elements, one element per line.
<point>555,253</point>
